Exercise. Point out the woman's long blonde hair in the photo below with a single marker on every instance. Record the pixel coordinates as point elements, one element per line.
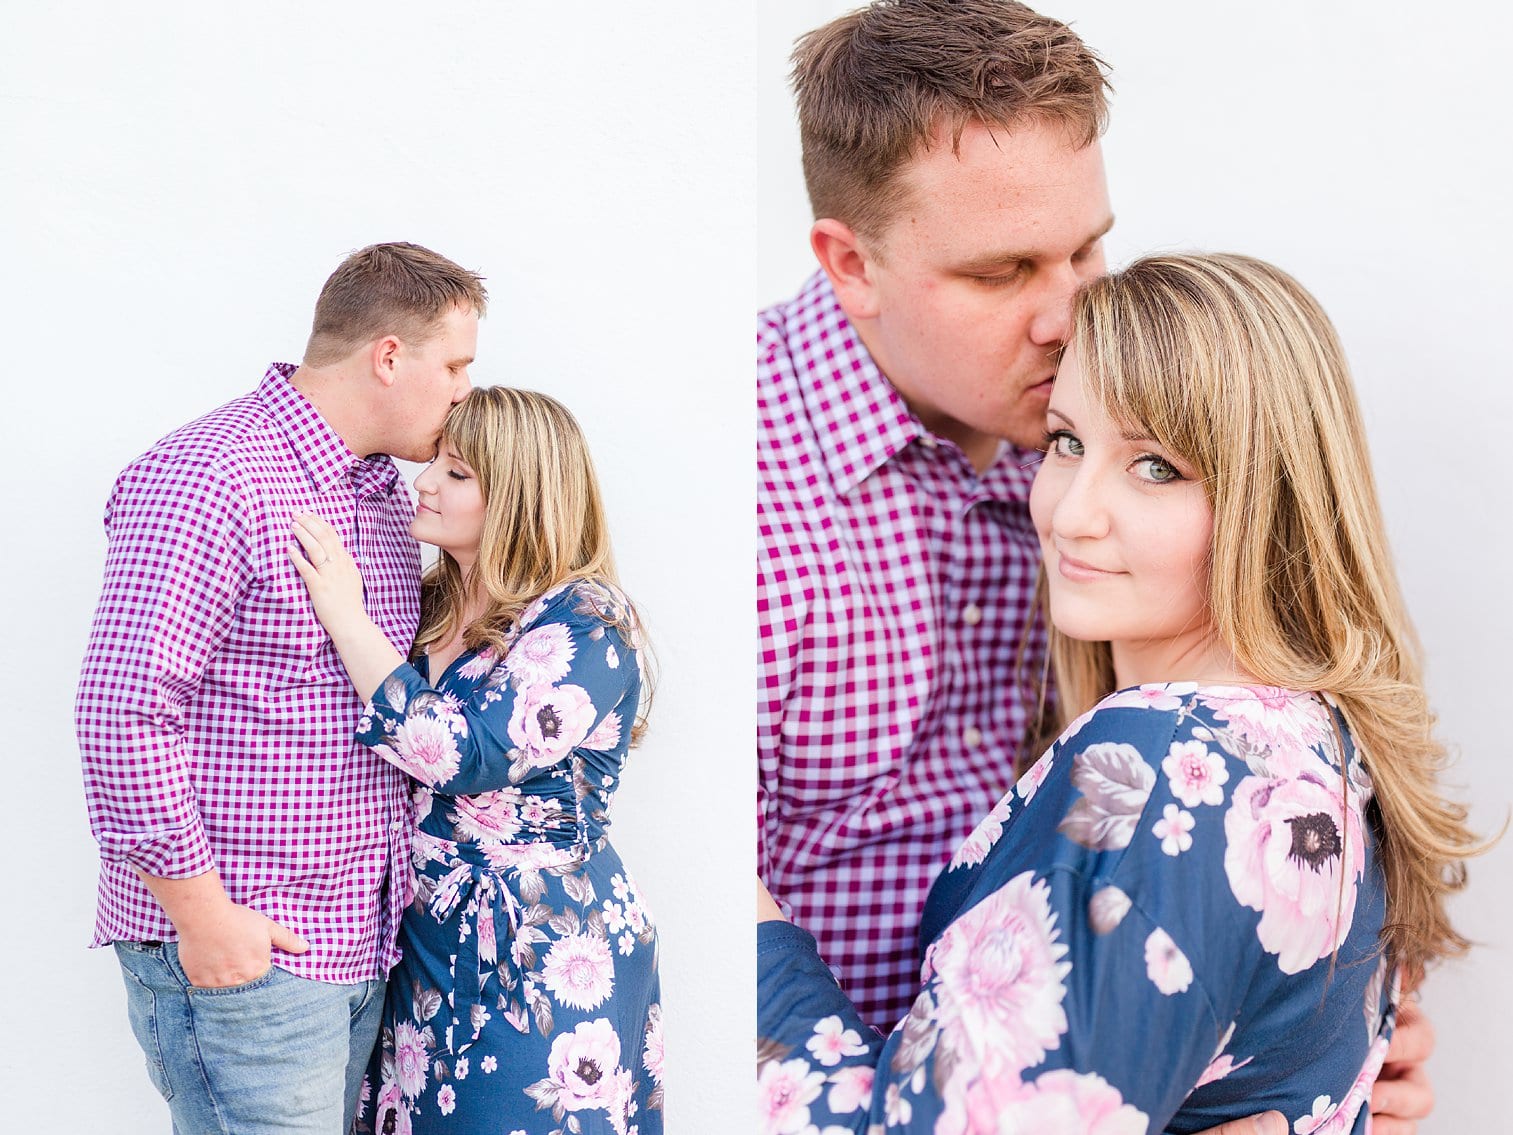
<point>1230,364</point>
<point>543,524</point>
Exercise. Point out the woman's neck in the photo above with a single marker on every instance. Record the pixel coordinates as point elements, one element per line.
<point>1197,658</point>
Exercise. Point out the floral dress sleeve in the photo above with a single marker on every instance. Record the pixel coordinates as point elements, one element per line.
<point>1097,949</point>
<point>564,684</point>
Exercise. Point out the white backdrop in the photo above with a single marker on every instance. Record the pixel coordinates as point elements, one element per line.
<point>180,179</point>
<point>1362,146</point>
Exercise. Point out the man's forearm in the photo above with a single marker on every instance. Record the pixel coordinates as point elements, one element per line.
<point>191,904</point>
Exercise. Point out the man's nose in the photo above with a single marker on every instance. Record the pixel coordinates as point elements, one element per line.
<point>1052,321</point>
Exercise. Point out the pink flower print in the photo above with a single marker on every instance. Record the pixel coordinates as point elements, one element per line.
<point>1284,721</point>
<point>606,735</point>
<point>1060,1100</point>
<point>391,1103</point>
<point>448,892</point>
<point>622,1101</point>
<point>412,1058</point>
<point>614,916</point>
<point>541,656</point>
<point>582,1065</point>
<point>1174,830</point>
<point>488,941</point>
<point>1290,847</point>
<point>488,815</point>
<point>1323,1110</point>
<point>651,1058</point>
<point>425,748</point>
<point>549,722</point>
<point>1197,774</point>
<point>612,657</point>
<point>1166,965</point>
<point>446,1099</point>
<point>1218,1068</point>
<point>974,849</point>
<point>476,666</point>
<point>851,1088</point>
<point>785,1089</point>
<point>580,971</point>
<point>1223,1063</point>
<point>1165,696</point>
<point>832,1040</point>
<point>1034,777</point>
<point>537,811</point>
<point>1342,1118</point>
<point>897,1111</point>
<point>998,975</point>
<point>488,1064</point>
<point>460,1069</point>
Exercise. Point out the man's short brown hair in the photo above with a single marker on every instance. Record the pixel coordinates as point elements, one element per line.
<point>874,85</point>
<point>388,289</point>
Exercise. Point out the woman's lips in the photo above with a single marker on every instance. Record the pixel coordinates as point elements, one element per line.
<point>1078,571</point>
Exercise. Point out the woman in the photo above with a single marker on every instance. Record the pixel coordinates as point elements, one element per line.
<point>1187,910</point>
<point>527,997</point>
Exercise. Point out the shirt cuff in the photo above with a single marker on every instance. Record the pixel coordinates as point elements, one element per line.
<point>179,854</point>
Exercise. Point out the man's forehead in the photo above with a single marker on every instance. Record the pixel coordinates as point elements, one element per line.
<point>1025,186</point>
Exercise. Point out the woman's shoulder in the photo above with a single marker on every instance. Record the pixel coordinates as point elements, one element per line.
<point>1271,730</point>
<point>589,602</point>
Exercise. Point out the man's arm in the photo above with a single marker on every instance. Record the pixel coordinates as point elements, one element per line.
<point>177,566</point>
<point>220,943</point>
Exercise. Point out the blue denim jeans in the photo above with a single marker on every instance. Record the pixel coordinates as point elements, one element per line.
<point>280,1054</point>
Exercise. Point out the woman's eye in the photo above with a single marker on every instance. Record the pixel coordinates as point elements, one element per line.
<point>1156,470</point>
<point>456,476</point>
<point>1063,444</point>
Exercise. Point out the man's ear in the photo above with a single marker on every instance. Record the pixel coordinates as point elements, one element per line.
<point>384,356</point>
<point>848,261</point>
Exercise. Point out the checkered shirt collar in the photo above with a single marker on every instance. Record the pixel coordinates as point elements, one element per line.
<point>862,417</point>
<point>317,446</point>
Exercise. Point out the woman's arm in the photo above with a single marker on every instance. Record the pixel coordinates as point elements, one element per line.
<point>567,682</point>
<point>1052,997</point>
<point>335,585</point>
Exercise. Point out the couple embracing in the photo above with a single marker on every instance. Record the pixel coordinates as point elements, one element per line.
<point>353,822</point>
<point>1094,755</point>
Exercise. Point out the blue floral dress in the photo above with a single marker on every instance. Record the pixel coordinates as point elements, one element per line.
<point>1172,920</point>
<point>527,997</point>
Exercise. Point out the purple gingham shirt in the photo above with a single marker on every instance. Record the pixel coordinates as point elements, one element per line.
<point>215,720</point>
<point>894,587</point>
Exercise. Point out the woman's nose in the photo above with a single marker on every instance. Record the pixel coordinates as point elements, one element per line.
<point>1082,511</point>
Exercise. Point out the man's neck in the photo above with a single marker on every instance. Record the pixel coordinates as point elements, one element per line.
<point>332,391</point>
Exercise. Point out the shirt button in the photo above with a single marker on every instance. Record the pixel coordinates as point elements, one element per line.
<point>397,825</point>
<point>973,736</point>
<point>972,615</point>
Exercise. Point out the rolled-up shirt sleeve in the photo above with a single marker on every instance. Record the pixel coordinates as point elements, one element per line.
<point>176,568</point>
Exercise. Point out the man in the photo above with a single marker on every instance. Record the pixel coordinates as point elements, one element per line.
<point>952,161</point>
<point>253,857</point>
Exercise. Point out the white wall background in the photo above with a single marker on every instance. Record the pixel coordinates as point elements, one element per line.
<point>1364,147</point>
<point>179,180</point>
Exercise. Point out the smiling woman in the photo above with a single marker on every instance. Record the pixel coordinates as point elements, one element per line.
<point>529,952</point>
<point>1237,843</point>
<point>1125,529</point>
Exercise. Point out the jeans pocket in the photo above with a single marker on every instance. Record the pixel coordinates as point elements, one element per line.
<point>142,1006</point>
<point>265,978</point>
